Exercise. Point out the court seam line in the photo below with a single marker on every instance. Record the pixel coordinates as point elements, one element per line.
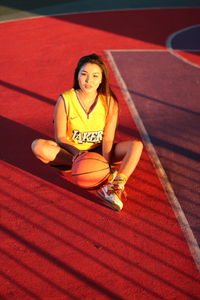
<point>167,188</point>
<point>90,11</point>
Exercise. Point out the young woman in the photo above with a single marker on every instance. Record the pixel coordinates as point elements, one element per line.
<point>85,119</point>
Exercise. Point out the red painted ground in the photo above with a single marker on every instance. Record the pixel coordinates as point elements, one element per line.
<point>58,241</point>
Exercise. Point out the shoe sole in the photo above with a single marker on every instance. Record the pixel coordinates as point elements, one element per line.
<point>109,204</point>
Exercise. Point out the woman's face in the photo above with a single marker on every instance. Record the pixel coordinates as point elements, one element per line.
<point>89,77</point>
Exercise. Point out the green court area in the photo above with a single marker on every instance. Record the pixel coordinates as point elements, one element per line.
<point>10,5</point>
<point>11,9</point>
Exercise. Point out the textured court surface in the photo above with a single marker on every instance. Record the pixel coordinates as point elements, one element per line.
<point>170,113</point>
<point>58,241</point>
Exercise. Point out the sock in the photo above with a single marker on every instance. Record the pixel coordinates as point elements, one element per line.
<point>120,179</point>
<point>112,175</point>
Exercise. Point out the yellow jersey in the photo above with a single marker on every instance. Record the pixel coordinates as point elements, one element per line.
<point>85,130</point>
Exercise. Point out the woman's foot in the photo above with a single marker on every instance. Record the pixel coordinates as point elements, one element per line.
<point>111,193</point>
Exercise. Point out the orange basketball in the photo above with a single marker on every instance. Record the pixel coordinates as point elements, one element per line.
<point>90,170</point>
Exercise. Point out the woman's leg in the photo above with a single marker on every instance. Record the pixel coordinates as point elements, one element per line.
<point>129,153</point>
<point>49,152</point>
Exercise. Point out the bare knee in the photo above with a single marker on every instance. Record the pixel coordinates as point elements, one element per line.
<point>41,149</point>
<point>138,144</point>
<point>37,146</point>
<point>135,145</point>
<point>45,150</point>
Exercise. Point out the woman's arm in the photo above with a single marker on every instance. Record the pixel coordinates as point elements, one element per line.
<point>110,128</point>
<point>60,127</point>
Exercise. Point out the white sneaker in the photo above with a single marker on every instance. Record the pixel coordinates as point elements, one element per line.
<point>111,195</point>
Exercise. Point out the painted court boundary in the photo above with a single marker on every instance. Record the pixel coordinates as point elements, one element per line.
<point>189,236</point>
<point>182,220</point>
<point>173,51</point>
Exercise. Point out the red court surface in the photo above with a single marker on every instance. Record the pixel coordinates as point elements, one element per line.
<point>57,240</point>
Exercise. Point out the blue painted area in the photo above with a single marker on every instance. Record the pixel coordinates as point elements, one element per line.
<point>189,38</point>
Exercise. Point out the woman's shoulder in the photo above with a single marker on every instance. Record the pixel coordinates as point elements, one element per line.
<point>65,99</point>
<point>68,93</point>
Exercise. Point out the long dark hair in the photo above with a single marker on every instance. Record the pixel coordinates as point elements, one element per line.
<point>104,87</point>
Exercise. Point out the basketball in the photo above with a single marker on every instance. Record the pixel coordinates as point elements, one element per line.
<point>90,170</point>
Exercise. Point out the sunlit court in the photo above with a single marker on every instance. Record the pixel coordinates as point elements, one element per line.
<point>59,240</point>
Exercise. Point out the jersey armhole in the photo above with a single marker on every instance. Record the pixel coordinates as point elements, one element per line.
<point>65,106</point>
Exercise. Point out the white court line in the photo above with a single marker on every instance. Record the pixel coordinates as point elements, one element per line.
<point>173,50</point>
<point>182,220</point>
<point>192,243</point>
<point>136,50</point>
